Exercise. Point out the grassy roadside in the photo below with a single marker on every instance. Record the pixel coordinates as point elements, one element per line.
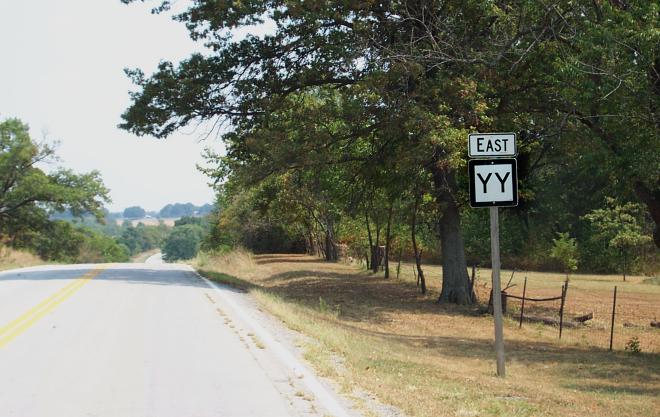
<point>12,259</point>
<point>380,336</point>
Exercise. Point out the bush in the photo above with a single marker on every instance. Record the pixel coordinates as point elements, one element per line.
<point>633,346</point>
<point>564,250</point>
<point>183,242</point>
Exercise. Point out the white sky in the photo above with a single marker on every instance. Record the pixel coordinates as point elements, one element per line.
<point>61,71</point>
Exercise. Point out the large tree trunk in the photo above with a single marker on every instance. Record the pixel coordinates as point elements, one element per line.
<point>309,239</point>
<point>330,245</point>
<point>320,249</point>
<point>455,280</point>
<point>370,256</point>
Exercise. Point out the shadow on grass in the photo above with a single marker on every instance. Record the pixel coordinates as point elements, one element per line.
<point>362,297</point>
<point>609,389</point>
<point>229,280</point>
<point>286,276</point>
<point>274,260</point>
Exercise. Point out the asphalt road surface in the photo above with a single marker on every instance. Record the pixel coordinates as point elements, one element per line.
<point>126,340</point>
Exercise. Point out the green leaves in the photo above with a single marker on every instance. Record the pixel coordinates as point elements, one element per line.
<point>337,105</point>
<point>28,194</point>
<point>619,225</point>
<point>183,242</point>
<point>565,250</point>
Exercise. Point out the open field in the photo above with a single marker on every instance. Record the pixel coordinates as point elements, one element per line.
<point>11,258</point>
<point>151,221</point>
<point>638,302</point>
<point>383,337</point>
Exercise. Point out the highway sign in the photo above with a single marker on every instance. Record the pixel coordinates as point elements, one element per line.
<point>493,182</point>
<point>492,145</point>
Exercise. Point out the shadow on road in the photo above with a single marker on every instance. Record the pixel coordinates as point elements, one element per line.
<point>152,274</point>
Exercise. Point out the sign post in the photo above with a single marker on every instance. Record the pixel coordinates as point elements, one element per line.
<point>497,297</point>
<point>494,184</point>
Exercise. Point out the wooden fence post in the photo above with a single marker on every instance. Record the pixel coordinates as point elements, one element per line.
<point>522,308</point>
<point>564,289</point>
<point>613,313</point>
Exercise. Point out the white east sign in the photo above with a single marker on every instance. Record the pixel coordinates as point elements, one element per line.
<point>493,182</point>
<point>492,145</point>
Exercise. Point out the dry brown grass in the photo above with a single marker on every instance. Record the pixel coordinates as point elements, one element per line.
<point>437,360</point>
<point>12,258</point>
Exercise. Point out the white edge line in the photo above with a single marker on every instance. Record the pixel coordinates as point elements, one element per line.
<point>310,379</point>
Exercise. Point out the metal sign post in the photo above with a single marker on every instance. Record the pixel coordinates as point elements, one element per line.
<point>494,184</point>
<point>497,297</point>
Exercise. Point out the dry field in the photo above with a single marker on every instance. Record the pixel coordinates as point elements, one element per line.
<point>383,337</point>
<point>149,221</point>
<point>11,258</point>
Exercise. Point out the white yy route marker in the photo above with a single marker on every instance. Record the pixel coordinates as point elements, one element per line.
<point>494,184</point>
<point>493,145</point>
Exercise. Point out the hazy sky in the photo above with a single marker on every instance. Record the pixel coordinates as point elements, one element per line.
<point>61,71</point>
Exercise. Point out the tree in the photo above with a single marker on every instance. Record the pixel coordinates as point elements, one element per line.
<point>28,194</point>
<point>354,48</point>
<point>134,212</point>
<point>565,251</point>
<point>618,225</point>
<point>371,82</point>
<point>182,243</point>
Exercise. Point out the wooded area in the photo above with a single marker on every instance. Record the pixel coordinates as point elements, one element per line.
<point>346,127</point>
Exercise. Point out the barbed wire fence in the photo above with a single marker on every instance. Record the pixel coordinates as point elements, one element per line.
<point>597,316</point>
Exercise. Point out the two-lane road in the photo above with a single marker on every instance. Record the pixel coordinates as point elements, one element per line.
<point>141,340</point>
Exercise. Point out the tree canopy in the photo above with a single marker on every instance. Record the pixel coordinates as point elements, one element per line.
<point>356,108</point>
<point>28,194</point>
<point>183,242</point>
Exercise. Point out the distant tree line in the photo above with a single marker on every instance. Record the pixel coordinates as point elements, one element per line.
<point>169,211</point>
<point>188,209</point>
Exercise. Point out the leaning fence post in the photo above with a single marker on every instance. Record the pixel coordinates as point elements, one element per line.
<point>522,308</point>
<point>564,289</point>
<point>613,313</point>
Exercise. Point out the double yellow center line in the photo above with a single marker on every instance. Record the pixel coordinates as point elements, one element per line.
<point>13,329</point>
